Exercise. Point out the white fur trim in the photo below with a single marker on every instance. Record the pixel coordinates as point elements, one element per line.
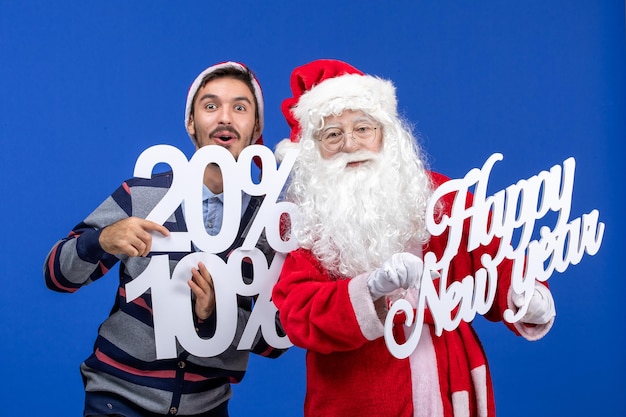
<point>370,320</point>
<point>460,404</point>
<point>352,92</point>
<point>535,331</point>
<point>479,381</point>
<point>425,376</point>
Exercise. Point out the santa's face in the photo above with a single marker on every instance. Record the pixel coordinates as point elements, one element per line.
<point>362,203</point>
<point>348,133</point>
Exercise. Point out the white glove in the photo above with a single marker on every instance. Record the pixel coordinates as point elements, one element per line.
<point>402,270</point>
<point>540,308</point>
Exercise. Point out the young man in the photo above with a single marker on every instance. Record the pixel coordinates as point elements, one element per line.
<point>362,187</point>
<point>123,377</point>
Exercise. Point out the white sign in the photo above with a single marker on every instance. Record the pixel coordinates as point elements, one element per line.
<point>171,296</point>
<point>515,208</point>
<point>505,214</point>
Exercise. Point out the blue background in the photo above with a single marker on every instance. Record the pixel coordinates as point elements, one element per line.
<point>86,86</point>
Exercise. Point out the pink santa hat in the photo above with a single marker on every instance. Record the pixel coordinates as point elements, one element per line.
<point>258,94</point>
<point>327,86</point>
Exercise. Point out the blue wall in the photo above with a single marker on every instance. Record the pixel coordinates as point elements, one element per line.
<point>86,86</point>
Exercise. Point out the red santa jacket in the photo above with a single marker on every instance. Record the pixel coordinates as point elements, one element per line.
<point>350,371</point>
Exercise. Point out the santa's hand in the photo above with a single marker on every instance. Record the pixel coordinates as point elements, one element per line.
<point>402,270</point>
<point>540,308</point>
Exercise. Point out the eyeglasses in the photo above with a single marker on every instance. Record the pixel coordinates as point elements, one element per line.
<point>334,139</point>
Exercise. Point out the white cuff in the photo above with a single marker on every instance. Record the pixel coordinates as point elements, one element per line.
<point>370,320</point>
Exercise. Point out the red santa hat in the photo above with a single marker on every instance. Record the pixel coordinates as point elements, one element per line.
<point>195,86</point>
<point>327,86</point>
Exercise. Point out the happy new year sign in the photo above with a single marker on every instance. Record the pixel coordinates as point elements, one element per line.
<point>516,208</point>
<point>513,210</point>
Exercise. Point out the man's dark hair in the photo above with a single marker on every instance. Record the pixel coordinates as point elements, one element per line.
<point>244,75</point>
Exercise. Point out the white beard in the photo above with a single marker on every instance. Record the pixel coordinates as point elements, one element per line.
<point>355,218</point>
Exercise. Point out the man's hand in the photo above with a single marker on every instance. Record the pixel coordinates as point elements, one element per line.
<point>201,284</point>
<point>130,236</point>
<point>402,270</point>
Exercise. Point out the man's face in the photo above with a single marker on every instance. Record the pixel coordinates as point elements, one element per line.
<point>224,114</point>
<point>350,124</point>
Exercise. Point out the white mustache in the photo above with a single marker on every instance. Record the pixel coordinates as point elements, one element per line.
<point>341,160</point>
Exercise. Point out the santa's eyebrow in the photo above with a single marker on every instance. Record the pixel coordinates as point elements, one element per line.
<point>357,119</point>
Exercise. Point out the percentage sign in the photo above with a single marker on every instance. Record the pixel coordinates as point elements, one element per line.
<point>272,182</point>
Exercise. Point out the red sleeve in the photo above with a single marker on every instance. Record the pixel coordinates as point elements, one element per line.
<point>315,310</point>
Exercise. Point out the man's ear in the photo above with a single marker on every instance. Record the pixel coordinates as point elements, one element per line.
<point>191,126</point>
<point>191,129</point>
<point>257,128</point>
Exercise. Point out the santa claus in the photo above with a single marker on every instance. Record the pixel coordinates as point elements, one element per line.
<point>362,186</point>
